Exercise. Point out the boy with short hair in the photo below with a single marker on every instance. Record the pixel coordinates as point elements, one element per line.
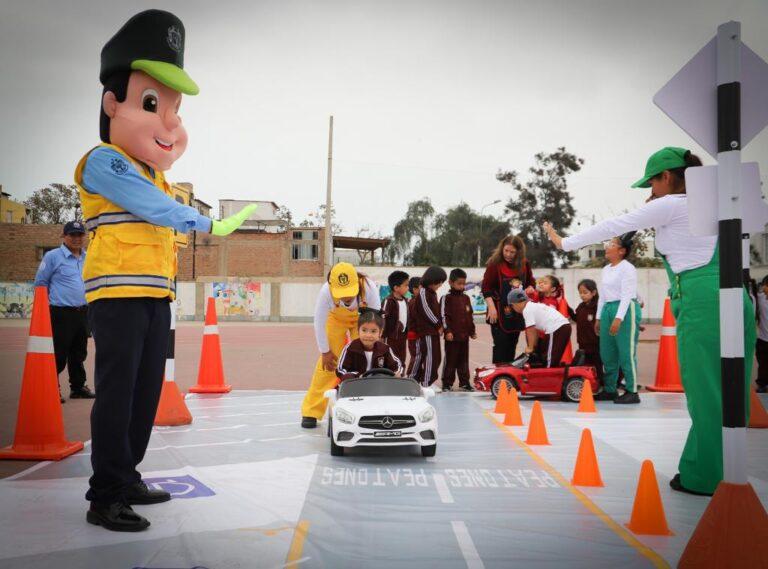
<point>395,310</point>
<point>414,287</point>
<point>458,328</point>
<point>542,318</point>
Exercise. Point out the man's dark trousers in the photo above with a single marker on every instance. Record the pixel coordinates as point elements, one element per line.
<point>131,337</point>
<point>456,360</point>
<point>70,342</point>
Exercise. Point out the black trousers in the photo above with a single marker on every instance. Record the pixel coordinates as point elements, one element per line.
<point>131,337</point>
<point>429,347</point>
<point>504,344</point>
<point>70,342</point>
<point>415,363</point>
<point>552,346</point>
<point>761,351</point>
<point>592,358</point>
<point>456,361</point>
<point>398,346</point>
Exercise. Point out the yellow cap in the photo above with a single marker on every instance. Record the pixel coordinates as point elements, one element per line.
<point>343,281</point>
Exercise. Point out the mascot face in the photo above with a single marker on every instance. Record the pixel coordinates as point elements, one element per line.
<point>147,125</point>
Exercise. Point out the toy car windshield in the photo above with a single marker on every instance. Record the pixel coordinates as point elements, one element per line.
<point>378,387</point>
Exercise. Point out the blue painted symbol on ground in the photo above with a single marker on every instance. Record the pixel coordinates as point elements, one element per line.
<point>180,486</point>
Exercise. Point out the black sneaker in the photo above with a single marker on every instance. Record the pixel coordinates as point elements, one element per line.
<point>308,422</point>
<point>468,388</point>
<point>676,485</point>
<point>61,398</point>
<point>606,396</point>
<point>447,388</point>
<point>83,392</point>
<point>762,389</point>
<point>627,398</point>
<point>140,494</point>
<point>116,517</point>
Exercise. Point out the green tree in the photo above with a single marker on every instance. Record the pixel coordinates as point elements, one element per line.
<point>543,197</point>
<point>56,203</point>
<point>411,234</point>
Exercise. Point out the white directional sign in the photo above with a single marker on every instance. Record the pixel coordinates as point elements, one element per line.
<point>701,187</point>
<point>690,97</point>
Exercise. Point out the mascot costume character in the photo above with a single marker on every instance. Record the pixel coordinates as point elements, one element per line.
<point>130,269</point>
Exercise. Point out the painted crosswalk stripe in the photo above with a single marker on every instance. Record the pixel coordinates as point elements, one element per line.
<point>442,489</point>
<point>467,546</point>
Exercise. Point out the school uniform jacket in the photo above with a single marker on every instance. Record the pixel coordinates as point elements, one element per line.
<point>427,319</point>
<point>585,316</point>
<point>412,333</point>
<point>354,363</point>
<point>393,327</point>
<point>456,311</point>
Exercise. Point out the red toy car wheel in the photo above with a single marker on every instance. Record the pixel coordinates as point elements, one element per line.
<point>496,385</point>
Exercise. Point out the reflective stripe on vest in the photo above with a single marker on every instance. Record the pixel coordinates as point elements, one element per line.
<point>129,280</point>
<point>111,219</point>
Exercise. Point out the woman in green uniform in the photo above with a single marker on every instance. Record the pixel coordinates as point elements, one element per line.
<point>692,267</point>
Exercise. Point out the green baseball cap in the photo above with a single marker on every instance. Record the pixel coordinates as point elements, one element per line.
<point>668,158</point>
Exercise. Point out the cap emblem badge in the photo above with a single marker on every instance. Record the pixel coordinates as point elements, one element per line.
<point>174,38</point>
<point>343,279</point>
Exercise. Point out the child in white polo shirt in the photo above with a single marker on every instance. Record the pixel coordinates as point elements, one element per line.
<point>545,319</point>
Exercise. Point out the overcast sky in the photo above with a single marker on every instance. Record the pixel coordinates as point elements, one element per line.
<point>430,98</point>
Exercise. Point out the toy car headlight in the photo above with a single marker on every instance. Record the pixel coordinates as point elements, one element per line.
<point>427,415</point>
<point>344,416</point>
<point>485,373</point>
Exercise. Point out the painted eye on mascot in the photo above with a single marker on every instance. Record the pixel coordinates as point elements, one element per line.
<point>149,100</point>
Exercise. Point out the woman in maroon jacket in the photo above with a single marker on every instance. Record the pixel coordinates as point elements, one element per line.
<point>507,263</point>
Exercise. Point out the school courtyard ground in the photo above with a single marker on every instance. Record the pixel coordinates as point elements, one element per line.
<point>252,489</point>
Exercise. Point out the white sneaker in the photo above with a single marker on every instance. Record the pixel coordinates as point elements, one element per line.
<point>436,389</point>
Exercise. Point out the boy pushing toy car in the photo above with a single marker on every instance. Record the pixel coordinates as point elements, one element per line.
<point>545,319</point>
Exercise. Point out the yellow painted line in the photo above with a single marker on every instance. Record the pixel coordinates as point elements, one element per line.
<point>297,545</point>
<point>618,529</point>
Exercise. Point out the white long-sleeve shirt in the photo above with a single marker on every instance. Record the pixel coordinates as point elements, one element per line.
<point>669,216</point>
<point>617,283</point>
<point>325,304</point>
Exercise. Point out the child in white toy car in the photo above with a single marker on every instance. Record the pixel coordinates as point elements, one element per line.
<point>367,351</point>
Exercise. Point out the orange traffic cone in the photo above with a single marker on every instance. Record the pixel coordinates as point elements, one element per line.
<point>210,377</point>
<point>648,512</point>
<point>732,532</point>
<point>537,431</point>
<point>39,424</point>
<point>758,417</point>
<point>172,410</point>
<point>502,398</point>
<point>562,308</point>
<point>587,400</point>
<point>586,472</point>
<point>512,415</point>
<point>667,366</point>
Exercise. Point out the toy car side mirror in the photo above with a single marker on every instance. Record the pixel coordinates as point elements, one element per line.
<point>527,367</point>
<point>330,395</point>
<point>427,392</point>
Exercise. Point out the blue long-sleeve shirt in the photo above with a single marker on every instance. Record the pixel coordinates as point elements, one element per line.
<point>110,175</point>
<point>62,274</point>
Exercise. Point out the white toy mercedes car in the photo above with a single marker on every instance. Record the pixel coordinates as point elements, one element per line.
<point>381,410</point>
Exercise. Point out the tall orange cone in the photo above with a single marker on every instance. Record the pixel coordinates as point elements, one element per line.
<point>39,424</point>
<point>172,410</point>
<point>562,308</point>
<point>758,417</point>
<point>512,415</point>
<point>501,400</point>
<point>586,472</point>
<point>210,377</point>
<point>537,431</point>
<point>587,400</point>
<point>648,516</point>
<point>732,532</point>
<point>667,365</point>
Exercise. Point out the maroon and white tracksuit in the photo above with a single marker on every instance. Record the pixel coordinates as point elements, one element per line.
<point>456,312</point>
<point>428,324</point>
<point>395,325</point>
<point>415,363</point>
<point>355,360</point>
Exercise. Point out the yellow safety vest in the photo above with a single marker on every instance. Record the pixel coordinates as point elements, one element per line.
<point>127,256</point>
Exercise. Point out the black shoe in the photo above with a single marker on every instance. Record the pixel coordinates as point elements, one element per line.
<point>116,517</point>
<point>762,389</point>
<point>61,399</point>
<point>468,388</point>
<point>308,422</point>
<point>627,398</point>
<point>606,396</point>
<point>447,388</point>
<point>676,485</point>
<point>82,393</point>
<point>140,494</point>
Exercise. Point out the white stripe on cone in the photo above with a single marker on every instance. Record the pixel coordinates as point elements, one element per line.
<point>40,345</point>
<point>669,331</point>
<point>211,329</point>
<point>170,369</point>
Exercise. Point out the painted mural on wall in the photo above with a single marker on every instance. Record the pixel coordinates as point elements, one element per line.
<point>241,298</point>
<point>16,300</point>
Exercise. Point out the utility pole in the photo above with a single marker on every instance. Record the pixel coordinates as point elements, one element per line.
<point>329,204</point>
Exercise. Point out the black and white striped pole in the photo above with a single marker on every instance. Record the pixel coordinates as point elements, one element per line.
<point>731,251</point>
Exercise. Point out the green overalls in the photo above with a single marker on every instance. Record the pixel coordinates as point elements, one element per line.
<point>619,351</point>
<point>695,299</point>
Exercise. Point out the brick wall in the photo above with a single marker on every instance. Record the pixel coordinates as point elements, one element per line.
<point>19,246</point>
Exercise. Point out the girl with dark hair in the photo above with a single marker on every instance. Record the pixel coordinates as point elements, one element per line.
<point>586,328</point>
<point>618,321</point>
<point>549,290</point>
<point>507,264</point>
<point>694,274</point>
<point>429,325</point>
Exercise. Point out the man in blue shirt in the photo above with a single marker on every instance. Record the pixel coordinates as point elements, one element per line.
<point>61,272</point>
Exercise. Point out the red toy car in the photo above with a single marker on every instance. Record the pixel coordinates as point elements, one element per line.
<point>531,378</point>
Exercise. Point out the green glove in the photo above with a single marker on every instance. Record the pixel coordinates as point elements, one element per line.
<point>229,224</point>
